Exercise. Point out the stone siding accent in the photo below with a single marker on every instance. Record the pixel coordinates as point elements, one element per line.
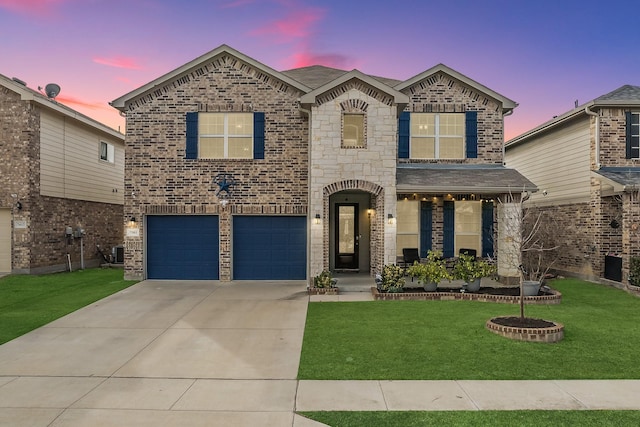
<point>442,93</point>
<point>158,177</point>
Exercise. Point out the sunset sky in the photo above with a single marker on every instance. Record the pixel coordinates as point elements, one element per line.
<point>543,54</point>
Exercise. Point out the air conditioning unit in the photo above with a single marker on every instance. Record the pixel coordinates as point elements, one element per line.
<point>118,254</point>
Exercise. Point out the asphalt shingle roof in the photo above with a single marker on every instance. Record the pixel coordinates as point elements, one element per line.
<point>625,176</point>
<point>461,179</point>
<point>316,76</point>
<point>623,93</point>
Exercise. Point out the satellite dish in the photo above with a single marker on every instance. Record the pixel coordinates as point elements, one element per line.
<point>52,90</point>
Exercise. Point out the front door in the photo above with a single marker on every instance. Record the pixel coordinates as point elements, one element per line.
<point>347,237</point>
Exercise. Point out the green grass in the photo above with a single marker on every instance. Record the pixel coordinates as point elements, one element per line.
<point>478,418</point>
<point>404,340</point>
<point>28,302</point>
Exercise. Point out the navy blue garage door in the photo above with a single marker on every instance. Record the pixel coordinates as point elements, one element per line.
<point>269,247</point>
<point>182,247</point>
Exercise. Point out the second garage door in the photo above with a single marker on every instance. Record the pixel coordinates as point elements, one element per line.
<point>269,248</point>
<point>182,247</point>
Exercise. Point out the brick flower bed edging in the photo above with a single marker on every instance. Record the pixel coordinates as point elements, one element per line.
<point>554,298</point>
<point>551,334</point>
<point>323,291</point>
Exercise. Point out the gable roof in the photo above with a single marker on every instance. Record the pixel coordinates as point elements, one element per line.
<point>398,97</point>
<point>27,94</point>
<point>120,102</point>
<point>315,76</point>
<point>507,104</point>
<point>624,96</point>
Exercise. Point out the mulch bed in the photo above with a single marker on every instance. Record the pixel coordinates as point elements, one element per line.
<point>527,322</point>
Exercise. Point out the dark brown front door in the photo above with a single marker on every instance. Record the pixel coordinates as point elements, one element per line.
<point>347,237</point>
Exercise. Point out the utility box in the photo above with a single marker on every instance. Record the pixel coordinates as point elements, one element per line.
<point>118,254</point>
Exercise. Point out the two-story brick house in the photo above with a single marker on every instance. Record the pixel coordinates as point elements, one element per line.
<point>586,164</point>
<point>237,171</point>
<point>60,171</point>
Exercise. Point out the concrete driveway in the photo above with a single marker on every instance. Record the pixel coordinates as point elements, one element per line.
<point>170,353</point>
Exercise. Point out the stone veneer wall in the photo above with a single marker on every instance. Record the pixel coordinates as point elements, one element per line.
<point>160,180</point>
<point>371,169</point>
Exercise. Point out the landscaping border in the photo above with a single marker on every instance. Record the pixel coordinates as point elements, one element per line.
<point>551,334</point>
<point>554,298</point>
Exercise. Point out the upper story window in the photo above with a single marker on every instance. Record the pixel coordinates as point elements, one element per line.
<point>107,152</point>
<point>633,135</point>
<point>438,135</point>
<point>353,130</point>
<point>225,135</point>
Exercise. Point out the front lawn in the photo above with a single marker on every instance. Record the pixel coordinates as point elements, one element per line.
<point>478,418</point>
<point>444,340</point>
<point>28,302</point>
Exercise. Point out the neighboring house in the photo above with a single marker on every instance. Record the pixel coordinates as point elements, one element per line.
<point>238,171</point>
<point>59,169</point>
<point>586,164</point>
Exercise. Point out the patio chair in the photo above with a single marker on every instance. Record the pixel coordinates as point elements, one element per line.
<point>410,255</point>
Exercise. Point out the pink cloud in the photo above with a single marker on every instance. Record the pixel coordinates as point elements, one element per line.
<point>70,101</point>
<point>295,25</point>
<point>305,59</point>
<point>37,8</point>
<point>118,62</point>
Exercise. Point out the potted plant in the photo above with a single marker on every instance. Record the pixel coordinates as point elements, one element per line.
<point>391,279</point>
<point>471,270</point>
<point>431,272</point>
<point>325,283</point>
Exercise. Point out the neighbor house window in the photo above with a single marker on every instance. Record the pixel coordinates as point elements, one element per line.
<point>107,152</point>
<point>633,135</point>
<point>468,226</point>
<point>407,225</point>
<point>437,136</point>
<point>225,136</point>
<point>353,126</point>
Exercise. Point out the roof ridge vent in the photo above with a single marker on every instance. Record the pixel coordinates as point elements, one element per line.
<point>20,82</point>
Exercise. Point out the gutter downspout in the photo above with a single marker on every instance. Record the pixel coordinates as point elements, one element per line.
<point>309,220</point>
<point>507,114</point>
<point>597,136</point>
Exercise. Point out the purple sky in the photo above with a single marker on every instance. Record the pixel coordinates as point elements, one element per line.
<point>543,54</point>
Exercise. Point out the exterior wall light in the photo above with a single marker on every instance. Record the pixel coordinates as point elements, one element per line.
<point>132,221</point>
<point>316,220</point>
<point>391,219</point>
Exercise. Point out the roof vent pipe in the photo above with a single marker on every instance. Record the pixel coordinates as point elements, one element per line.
<point>597,136</point>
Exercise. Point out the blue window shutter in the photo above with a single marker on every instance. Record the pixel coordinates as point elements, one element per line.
<point>258,135</point>
<point>629,151</point>
<point>487,229</point>
<point>426,227</point>
<point>449,217</point>
<point>471,134</point>
<point>192,136</point>
<point>404,126</point>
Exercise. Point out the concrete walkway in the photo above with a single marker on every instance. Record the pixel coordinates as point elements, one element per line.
<point>177,353</point>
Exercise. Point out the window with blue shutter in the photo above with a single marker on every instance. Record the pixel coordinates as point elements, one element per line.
<point>191,151</point>
<point>632,135</point>
<point>449,216</point>
<point>487,229</point>
<point>258,135</point>
<point>426,227</point>
<point>471,134</point>
<point>225,135</point>
<point>404,126</point>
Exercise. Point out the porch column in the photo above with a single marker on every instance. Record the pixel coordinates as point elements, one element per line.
<point>509,240</point>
